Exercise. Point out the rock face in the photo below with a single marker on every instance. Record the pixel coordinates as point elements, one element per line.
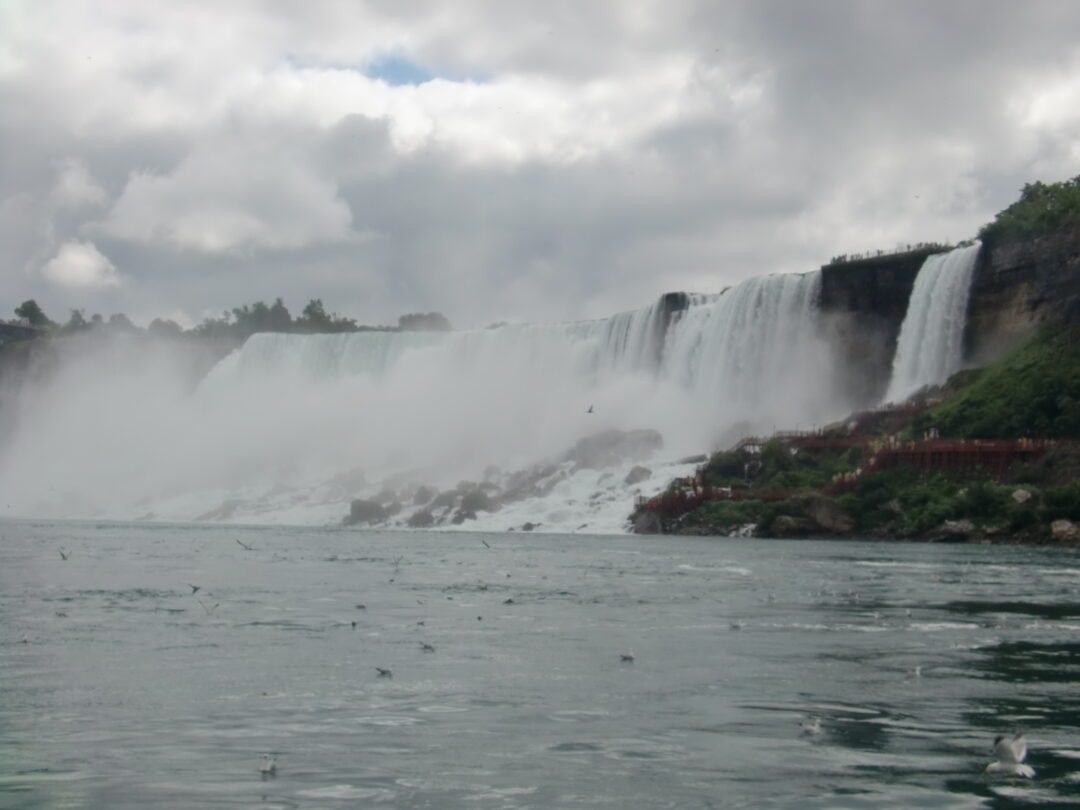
<point>611,447</point>
<point>636,475</point>
<point>952,531</point>
<point>647,522</point>
<point>827,514</point>
<point>864,303</point>
<point>791,526</point>
<point>1019,285</point>
<point>366,511</point>
<point>1065,531</point>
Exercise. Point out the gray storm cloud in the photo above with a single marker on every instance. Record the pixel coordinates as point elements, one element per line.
<point>565,161</point>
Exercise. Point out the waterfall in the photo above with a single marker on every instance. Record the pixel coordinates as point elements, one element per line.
<point>291,427</point>
<point>930,346</point>
<point>755,353</point>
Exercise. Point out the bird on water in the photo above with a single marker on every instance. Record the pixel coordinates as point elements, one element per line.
<point>1011,752</point>
<point>267,765</point>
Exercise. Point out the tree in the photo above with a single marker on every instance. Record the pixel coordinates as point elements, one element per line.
<point>313,318</point>
<point>279,318</point>
<point>164,328</point>
<point>121,322</point>
<point>76,322</point>
<point>33,313</point>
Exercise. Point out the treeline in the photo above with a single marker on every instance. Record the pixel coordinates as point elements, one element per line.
<point>237,324</point>
<point>1042,207</point>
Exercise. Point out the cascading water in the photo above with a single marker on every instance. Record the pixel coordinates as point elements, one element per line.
<point>930,346</point>
<point>292,427</point>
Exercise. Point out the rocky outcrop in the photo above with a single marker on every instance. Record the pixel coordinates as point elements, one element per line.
<point>864,303</point>
<point>826,514</point>
<point>611,447</point>
<point>951,531</point>
<point>1065,531</point>
<point>1019,285</point>
<point>367,511</point>
<point>636,475</point>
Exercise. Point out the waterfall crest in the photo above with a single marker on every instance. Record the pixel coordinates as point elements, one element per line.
<point>930,346</point>
<point>292,427</point>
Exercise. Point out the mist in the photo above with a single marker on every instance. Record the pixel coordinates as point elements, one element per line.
<point>292,427</point>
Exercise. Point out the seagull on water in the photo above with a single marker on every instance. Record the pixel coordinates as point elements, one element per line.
<point>427,647</point>
<point>384,673</point>
<point>1011,752</point>
<point>811,726</point>
<point>627,657</point>
<point>267,765</point>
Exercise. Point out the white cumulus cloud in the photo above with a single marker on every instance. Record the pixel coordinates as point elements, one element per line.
<point>81,264</point>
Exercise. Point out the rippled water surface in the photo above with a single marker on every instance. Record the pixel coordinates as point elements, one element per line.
<point>121,688</point>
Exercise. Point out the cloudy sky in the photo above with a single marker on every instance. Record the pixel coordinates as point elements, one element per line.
<point>504,160</point>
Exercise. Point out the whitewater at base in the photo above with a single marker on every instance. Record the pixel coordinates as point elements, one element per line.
<point>293,428</point>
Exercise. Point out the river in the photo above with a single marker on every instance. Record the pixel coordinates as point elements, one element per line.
<point>123,687</point>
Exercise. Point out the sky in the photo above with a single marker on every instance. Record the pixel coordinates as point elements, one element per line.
<point>504,161</point>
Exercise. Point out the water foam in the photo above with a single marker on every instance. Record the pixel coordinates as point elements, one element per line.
<point>930,346</point>
<point>290,428</point>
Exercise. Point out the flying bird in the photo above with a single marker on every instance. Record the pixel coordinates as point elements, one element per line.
<point>485,542</point>
<point>64,556</point>
<point>384,673</point>
<point>1011,752</point>
<point>590,409</point>
<point>194,588</point>
<point>245,546</point>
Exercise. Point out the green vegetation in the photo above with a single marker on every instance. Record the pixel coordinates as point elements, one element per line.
<point>731,514</point>
<point>1032,392</point>
<point>32,313</point>
<point>1041,208</point>
<point>235,325</point>
<point>778,466</point>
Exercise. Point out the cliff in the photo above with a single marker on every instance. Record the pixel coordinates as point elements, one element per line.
<point>1019,285</point>
<point>864,303</point>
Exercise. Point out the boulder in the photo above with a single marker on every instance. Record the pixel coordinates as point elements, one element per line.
<point>952,531</point>
<point>791,526</point>
<point>1021,496</point>
<point>366,511</point>
<point>421,520</point>
<point>636,475</point>
<point>478,501</point>
<point>609,448</point>
<point>647,521</point>
<point>448,498</point>
<point>423,495</point>
<point>827,514</point>
<point>893,506</point>
<point>461,515</point>
<point>701,459</point>
<point>1065,531</point>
